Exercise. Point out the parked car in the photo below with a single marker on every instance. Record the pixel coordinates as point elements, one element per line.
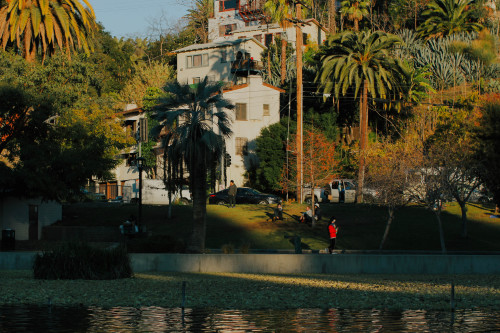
<point>244,195</point>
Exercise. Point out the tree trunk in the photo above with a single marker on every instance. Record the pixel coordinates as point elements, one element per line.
<point>363,139</point>
<point>199,184</point>
<point>390,209</point>
<point>441,233</point>
<point>300,171</point>
<point>463,208</point>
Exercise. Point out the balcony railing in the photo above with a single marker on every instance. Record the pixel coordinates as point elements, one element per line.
<point>246,65</point>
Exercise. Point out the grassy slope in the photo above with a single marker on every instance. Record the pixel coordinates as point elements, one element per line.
<point>361,226</point>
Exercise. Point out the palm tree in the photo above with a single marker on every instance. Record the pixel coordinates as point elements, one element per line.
<point>280,11</point>
<point>446,17</point>
<point>355,10</point>
<point>198,17</point>
<point>44,25</point>
<point>361,60</point>
<point>197,124</point>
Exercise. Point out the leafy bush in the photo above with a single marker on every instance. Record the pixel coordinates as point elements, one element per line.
<point>228,248</point>
<point>156,244</point>
<point>81,261</point>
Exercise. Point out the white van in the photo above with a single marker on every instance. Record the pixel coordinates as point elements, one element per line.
<point>339,190</point>
<point>153,192</point>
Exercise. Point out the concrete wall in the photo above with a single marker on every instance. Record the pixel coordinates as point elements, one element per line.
<point>14,214</point>
<point>295,263</point>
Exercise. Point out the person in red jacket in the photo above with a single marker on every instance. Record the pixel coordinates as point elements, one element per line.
<point>332,232</point>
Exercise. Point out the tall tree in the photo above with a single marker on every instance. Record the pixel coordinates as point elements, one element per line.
<point>320,165</point>
<point>196,121</point>
<point>361,60</point>
<point>198,17</point>
<point>355,10</point>
<point>446,17</point>
<point>44,25</point>
<point>488,150</point>
<point>388,165</point>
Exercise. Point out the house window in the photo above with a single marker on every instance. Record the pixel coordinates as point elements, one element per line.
<point>223,56</point>
<point>227,5</point>
<point>197,60</point>
<point>196,80</point>
<point>304,39</point>
<point>241,146</point>
<point>265,110</point>
<point>258,37</point>
<point>241,111</point>
<point>269,39</point>
<point>227,29</point>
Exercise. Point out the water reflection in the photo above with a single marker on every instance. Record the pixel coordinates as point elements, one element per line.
<point>157,319</point>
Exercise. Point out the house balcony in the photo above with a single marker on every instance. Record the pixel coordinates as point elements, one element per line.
<point>252,10</point>
<point>245,67</point>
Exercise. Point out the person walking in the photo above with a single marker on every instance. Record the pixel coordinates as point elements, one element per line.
<point>332,232</point>
<point>232,194</point>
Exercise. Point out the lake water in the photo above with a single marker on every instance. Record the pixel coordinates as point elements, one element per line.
<point>157,319</point>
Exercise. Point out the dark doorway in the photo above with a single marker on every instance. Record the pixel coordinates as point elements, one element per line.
<point>33,221</point>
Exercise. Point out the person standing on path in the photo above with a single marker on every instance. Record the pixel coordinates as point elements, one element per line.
<point>332,232</point>
<point>232,194</point>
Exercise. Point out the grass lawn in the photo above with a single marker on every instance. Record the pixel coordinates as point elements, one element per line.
<point>361,225</point>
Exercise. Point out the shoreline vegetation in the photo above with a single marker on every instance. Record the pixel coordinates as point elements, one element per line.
<point>257,291</point>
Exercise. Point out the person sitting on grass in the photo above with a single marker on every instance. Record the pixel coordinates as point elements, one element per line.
<point>278,213</point>
<point>307,216</point>
<point>317,212</point>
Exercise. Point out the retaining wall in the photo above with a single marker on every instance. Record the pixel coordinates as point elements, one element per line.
<point>295,263</point>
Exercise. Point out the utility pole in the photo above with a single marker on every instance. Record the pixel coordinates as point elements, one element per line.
<point>300,171</point>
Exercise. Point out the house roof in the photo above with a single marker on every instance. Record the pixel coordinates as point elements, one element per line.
<point>218,44</point>
<point>241,86</point>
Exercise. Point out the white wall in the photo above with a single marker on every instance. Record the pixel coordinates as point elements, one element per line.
<point>254,95</point>
<point>220,71</point>
<point>14,214</point>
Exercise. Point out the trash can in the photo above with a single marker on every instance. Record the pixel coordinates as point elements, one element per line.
<point>8,240</point>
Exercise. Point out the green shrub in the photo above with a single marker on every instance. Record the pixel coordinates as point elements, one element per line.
<point>156,244</point>
<point>228,248</point>
<point>80,261</point>
<point>245,248</point>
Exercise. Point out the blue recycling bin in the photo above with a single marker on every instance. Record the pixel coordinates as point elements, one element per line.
<point>8,240</point>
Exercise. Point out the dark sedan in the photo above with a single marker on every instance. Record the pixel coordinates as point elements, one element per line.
<point>244,195</point>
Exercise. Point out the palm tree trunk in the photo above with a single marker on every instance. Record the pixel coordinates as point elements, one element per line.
<point>199,184</point>
<point>363,139</point>
<point>332,25</point>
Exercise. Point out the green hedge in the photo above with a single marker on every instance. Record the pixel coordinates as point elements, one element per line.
<point>81,261</point>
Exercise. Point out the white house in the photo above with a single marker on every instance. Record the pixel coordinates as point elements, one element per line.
<point>257,106</point>
<point>235,19</point>
<point>27,216</point>
<point>126,169</point>
<point>236,62</point>
<point>226,60</point>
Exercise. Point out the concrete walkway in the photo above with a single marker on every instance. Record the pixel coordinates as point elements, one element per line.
<point>278,263</point>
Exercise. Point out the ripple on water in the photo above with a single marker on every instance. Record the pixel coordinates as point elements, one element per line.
<point>158,319</point>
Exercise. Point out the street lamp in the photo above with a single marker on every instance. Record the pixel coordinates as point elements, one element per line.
<point>139,161</point>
